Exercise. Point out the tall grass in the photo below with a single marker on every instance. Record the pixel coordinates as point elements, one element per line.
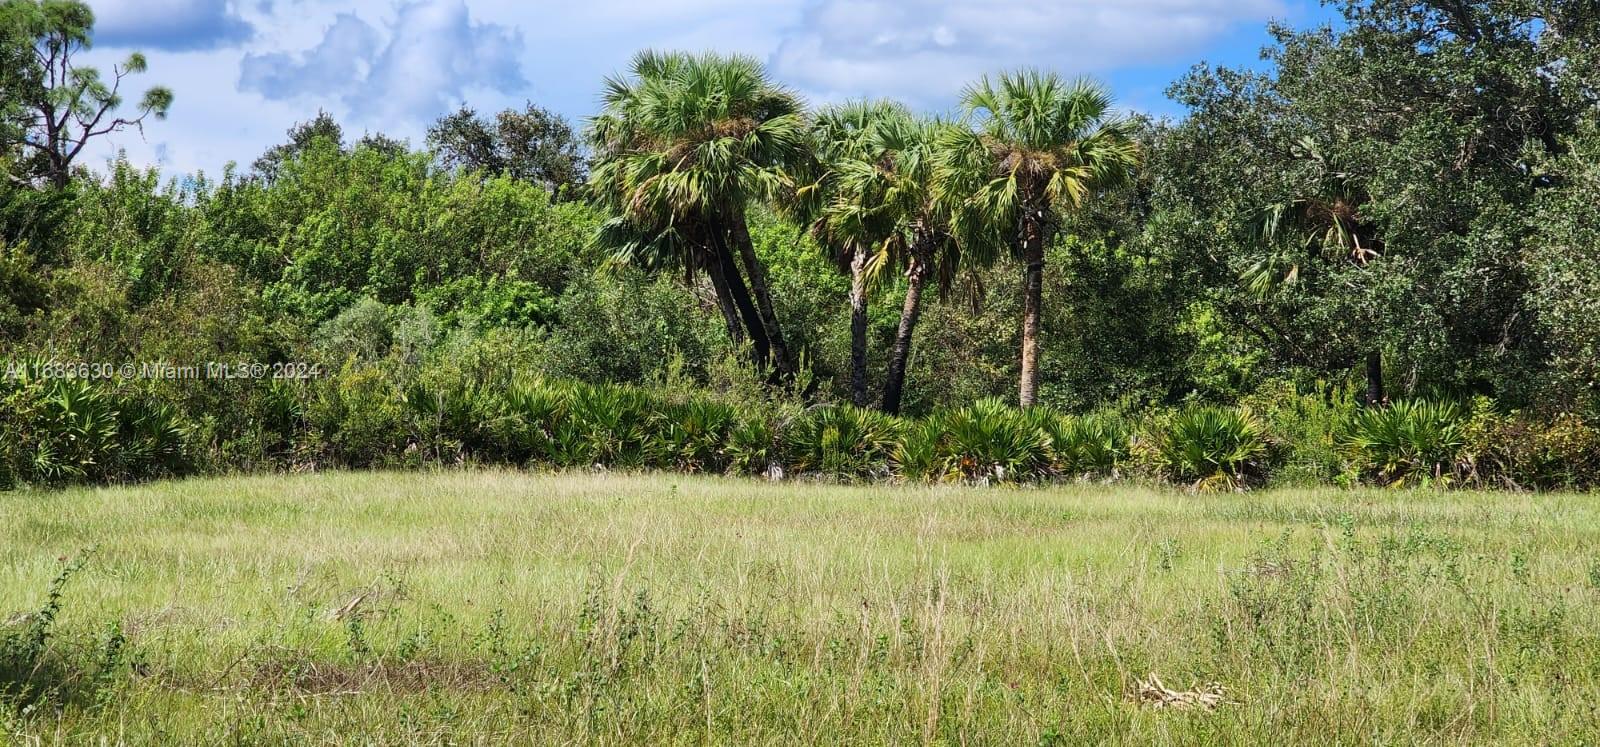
<point>491,607</point>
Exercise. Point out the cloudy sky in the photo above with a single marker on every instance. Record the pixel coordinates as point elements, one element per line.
<point>245,70</point>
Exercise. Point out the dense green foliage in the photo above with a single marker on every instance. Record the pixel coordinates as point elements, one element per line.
<point>1398,209</point>
<point>479,410</point>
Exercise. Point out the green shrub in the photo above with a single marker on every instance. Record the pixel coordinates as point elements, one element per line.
<point>365,329</point>
<point>492,301</point>
<point>1407,443</point>
<point>1521,450</point>
<point>691,436</point>
<point>842,442</point>
<point>262,431</point>
<point>752,447</point>
<point>446,419</point>
<point>356,419</point>
<point>1086,444</point>
<point>55,431</point>
<point>613,423</point>
<point>625,327</point>
<point>152,439</point>
<point>529,422</point>
<point>918,456</point>
<point>1211,448</point>
<point>1569,453</point>
<point>77,432</point>
<point>988,440</point>
<point>1304,430</point>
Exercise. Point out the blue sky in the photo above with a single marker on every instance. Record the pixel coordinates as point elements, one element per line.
<point>245,70</point>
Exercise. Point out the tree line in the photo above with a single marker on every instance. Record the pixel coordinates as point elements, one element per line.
<point>1401,205</point>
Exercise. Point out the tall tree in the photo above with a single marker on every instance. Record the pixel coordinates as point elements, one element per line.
<point>302,136</point>
<point>842,217</point>
<point>1320,224</point>
<point>1036,145</point>
<point>1565,269</point>
<point>63,106</point>
<point>534,145</point>
<point>682,147</point>
<point>871,205</point>
<point>1436,127</point>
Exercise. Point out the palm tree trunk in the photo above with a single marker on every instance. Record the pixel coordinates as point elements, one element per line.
<point>858,327</point>
<point>762,344</point>
<point>1032,305</point>
<point>760,289</point>
<point>1375,395</point>
<point>725,303</point>
<point>900,355</point>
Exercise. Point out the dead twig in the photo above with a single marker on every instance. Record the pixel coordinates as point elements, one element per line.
<point>1152,693</point>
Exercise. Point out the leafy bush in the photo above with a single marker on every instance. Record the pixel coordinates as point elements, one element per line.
<point>1085,445</point>
<point>1304,430</point>
<point>918,455</point>
<point>752,444</point>
<point>529,422</point>
<point>691,436</point>
<point>613,423</point>
<point>356,419</point>
<point>446,419</point>
<point>78,430</point>
<point>494,301</point>
<point>267,420</point>
<point>988,440</point>
<point>364,330</point>
<point>625,327</point>
<point>1522,450</point>
<point>55,431</point>
<point>1407,443</point>
<point>842,441</point>
<point>1211,448</point>
<point>152,439</point>
<point>24,291</point>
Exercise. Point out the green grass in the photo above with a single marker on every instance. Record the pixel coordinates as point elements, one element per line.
<point>501,606</point>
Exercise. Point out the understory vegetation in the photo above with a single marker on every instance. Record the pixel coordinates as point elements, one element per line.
<point>502,606</point>
<point>1370,260</point>
<point>60,431</point>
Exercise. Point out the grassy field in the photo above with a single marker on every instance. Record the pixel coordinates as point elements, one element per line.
<point>487,606</point>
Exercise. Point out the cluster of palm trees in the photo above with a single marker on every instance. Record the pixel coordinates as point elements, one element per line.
<point>686,143</point>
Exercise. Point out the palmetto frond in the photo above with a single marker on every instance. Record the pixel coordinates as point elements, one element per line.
<point>658,247</point>
<point>1031,142</point>
<point>1323,223</point>
<point>688,136</point>
<point>870,186</point>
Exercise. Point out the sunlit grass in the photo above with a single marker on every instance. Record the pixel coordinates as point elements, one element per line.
<point>497,606</point>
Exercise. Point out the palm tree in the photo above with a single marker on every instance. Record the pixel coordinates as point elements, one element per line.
<point>840,214</point>
<point>1035,145</point>
<point>924,245</point>
<point>871,207</point>
<point>1320,226</point>
<point>682,147</point>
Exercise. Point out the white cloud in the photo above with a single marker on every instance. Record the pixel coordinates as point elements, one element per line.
<point>169,24</point>
<point>338,65</point>
<point>395,65</point>
<point>432,53</point>
<point>924,49</point>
